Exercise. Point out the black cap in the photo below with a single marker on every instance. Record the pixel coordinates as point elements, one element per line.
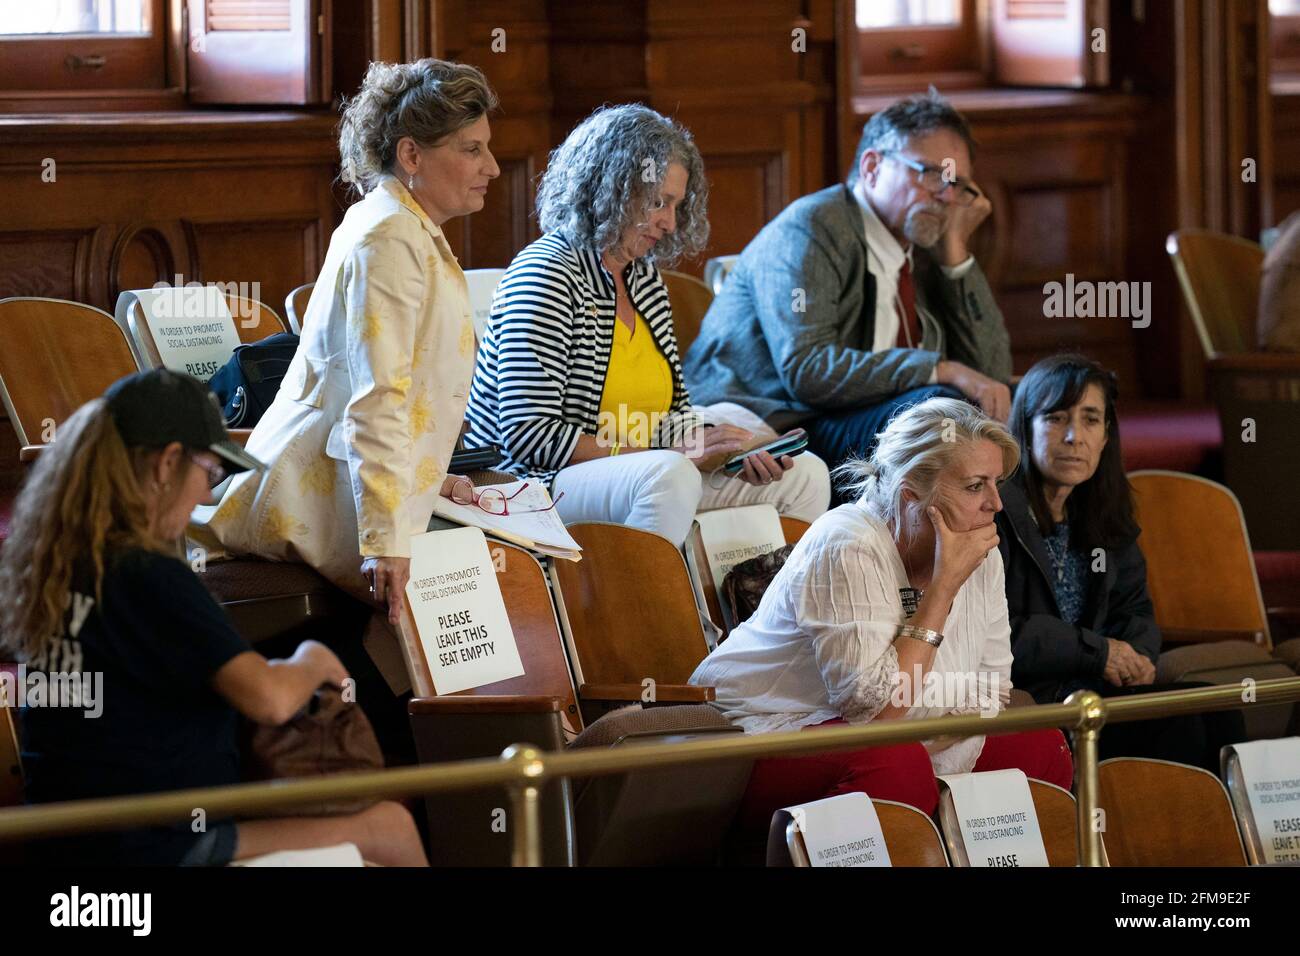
<point>155,408</point>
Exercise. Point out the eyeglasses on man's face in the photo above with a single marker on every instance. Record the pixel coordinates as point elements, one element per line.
<point>493,500</point>
<point>934,181</point>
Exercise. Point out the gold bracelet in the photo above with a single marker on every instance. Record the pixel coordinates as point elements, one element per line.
<point>933,638</point>
<point>618,446</point>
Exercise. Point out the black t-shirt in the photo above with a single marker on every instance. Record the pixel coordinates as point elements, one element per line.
<point>146,657</point>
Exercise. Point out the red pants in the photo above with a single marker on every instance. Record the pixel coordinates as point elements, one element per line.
<point>901,772</point>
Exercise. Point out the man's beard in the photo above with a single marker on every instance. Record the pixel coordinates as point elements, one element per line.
<point>925,231</point>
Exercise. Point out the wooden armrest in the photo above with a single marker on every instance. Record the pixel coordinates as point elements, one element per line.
<point>240,435</point>
<point>29,453</point>
<point>663,693</point>
<point>1254,362</point>
<point>1209,635</point>
<point>484,704</point>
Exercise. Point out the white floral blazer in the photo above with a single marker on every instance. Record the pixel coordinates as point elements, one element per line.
<point>361,432</point>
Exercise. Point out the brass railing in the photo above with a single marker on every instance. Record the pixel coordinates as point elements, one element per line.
<point>522,769</point>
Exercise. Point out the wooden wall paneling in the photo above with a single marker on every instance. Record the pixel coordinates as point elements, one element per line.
<point>1286,151</point>
<point>761,112</point>
<point>521,129</point>
<point>147,195</point>
<point>1221,96</point>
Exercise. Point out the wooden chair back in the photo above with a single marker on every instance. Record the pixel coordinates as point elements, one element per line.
<point>1159,813</point>
<point>295,306</point>
<point>532,617</point>
<point>1058,821</point>
<point>57,355</point>
<point>1200,569</point>
<point>629,607</point>
<point>690,299</point>
<point>794,528</point>
<point>910,836</point>
<point>255,320</point>
<point>1220,277</point>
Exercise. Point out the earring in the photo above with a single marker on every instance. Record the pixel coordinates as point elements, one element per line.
<point>410,183</point>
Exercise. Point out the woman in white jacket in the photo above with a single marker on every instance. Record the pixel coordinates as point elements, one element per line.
<point>361,432</point>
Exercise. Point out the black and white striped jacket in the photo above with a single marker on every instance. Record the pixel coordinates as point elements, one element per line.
<point>542,363</point>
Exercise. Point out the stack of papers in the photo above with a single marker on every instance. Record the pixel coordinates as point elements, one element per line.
<point>526,524</point>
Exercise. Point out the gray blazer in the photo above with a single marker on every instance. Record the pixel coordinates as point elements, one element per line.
<point>787,366</point>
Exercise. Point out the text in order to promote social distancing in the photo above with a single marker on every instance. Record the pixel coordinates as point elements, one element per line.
<point>458,611</point>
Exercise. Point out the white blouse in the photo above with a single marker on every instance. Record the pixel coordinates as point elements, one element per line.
<point>821,644</point>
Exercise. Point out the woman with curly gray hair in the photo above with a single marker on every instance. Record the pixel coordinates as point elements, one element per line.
<point>362,430</point>
<point>578,377</point>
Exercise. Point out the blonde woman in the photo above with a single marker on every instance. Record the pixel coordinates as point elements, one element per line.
<point>889,608</point>
<point>361,432</point>
<point>151,674</point>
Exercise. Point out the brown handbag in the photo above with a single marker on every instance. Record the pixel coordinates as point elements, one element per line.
<point>745,584</point>
<point>329,735</point>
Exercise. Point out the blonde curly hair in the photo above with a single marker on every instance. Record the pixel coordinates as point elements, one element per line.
<point>427,100</point>
<point>915,447</point>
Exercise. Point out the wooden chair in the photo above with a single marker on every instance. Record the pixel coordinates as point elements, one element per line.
<point>1158,813</point>
<point>1203,584</point>
<point>716,271</point>
<point>611,816</point>
<point>1219,275</point>
<point>794,528</point>
<point>690,299</point>
<point>1199,566</point>
<point>57,356</point>
<point>295,306</point>
<point>254,321</point>
<point>1058,821</point>
<point>1220,279</point>
<point>629,615</point>
<point>1238,788</point>
<point>910,836</point>
<point>1054,808</point>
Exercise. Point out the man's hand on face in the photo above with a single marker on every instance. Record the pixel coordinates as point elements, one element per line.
<point>953,247</point>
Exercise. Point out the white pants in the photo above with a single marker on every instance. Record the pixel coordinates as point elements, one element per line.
<point>661,491</point>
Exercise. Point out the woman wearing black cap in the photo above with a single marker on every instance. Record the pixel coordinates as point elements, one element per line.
<point>132,674</point>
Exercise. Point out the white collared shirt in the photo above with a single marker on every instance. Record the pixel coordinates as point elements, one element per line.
<point>885,258</point>
<point>821,644</point>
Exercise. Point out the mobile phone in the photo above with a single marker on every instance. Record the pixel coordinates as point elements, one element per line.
<point>791,443</point>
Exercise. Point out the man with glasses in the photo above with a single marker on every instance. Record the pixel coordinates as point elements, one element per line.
<point>864,298</point>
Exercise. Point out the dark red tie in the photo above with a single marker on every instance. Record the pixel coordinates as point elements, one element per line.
<point>909,323</point>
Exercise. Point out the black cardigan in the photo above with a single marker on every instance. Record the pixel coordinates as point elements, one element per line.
<point>1052,656</point>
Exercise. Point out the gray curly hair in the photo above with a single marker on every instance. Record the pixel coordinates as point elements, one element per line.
<point>594,187</point>
<point>427,100</point>
<point>915,447</point>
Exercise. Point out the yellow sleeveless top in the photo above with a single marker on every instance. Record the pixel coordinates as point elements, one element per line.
<point>638,386</point>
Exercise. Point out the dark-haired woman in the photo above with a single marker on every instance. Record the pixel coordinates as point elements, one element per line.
<point>1081,617</point>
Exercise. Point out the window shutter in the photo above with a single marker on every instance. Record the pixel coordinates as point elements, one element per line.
<point>1051,42</point>
<point>258,51</point>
